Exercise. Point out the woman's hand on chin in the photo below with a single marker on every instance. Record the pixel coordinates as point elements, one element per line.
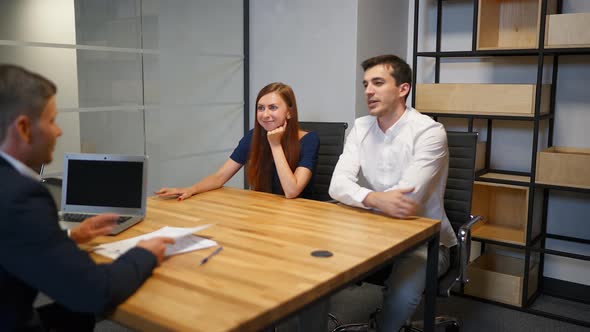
<point>274,136</point>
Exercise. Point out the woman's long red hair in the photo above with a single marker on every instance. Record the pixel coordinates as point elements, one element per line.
<point>260,162</point>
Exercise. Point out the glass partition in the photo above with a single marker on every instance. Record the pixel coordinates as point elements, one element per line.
<point>162,78</point>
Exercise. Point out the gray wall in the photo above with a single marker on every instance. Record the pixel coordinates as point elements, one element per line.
<point>382,29</point>
<point>310,45</point>
<point>317,47</point>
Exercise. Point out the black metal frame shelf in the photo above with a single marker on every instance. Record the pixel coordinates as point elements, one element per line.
<point>532,245</point>
<point>563,188</point>
<point>484,242</point>
<point>567,238</point>
<point>480,176</point>
<point>540,250</point>
<point>547,116</point>
<point>507,53</point>
<point>502,181</point>
<point>478,54</point>
<point>562,253</point>
<point>567,51</point>
<point>246,64</point>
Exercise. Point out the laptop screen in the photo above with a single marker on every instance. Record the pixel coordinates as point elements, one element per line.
<point>105,183</point>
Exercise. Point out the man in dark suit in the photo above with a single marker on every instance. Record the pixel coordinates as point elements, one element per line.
<point>35,254</point>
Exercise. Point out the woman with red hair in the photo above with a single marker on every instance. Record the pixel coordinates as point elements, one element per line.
<point>279,157</point>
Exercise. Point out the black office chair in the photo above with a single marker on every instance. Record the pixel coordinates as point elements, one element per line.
<point>458,194</point>
<point>331,136</point>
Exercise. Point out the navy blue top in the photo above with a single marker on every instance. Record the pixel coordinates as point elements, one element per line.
<point>308,157</point>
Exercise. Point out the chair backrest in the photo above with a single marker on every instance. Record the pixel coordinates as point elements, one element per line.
<point>459,188</point>
<point>457,201</point>
<point>331,136</point>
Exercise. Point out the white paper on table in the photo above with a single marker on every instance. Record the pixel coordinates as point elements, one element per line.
<point>185,241</point>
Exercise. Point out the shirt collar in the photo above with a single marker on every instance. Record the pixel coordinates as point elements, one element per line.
<point>20,167</point>
<point>395,128</point>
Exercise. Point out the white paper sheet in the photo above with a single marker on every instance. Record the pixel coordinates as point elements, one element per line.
<point>185,241</point>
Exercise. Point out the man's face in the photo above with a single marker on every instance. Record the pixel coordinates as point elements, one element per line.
<point>44,134</point>
<point>381,91</point>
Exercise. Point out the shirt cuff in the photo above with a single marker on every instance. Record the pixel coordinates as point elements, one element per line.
<point>360,196</point>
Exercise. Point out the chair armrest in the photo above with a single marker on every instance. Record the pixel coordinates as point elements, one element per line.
<point>52,181</point>
<point>464,252</point>
<point>469,225</point>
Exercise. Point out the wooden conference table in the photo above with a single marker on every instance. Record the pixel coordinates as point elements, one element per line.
<point>265,271</point>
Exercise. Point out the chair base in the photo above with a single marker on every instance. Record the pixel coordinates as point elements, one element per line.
<point>370,326</point>
<point>450,324</point>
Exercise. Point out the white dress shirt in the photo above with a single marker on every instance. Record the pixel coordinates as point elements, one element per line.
<point>411,153</point>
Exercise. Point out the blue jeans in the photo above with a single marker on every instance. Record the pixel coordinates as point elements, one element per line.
<point>404,287</point>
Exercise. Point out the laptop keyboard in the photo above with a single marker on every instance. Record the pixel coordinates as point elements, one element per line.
<point>79,217</point>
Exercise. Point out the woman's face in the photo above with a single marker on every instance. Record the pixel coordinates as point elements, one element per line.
<point>272,111</point>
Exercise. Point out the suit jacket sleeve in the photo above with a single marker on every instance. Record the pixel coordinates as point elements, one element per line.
<point>35,250</point>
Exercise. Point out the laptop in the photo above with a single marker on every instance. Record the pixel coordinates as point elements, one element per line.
<point>103,183</point>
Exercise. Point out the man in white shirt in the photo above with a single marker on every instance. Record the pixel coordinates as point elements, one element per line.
<point>403,156</point>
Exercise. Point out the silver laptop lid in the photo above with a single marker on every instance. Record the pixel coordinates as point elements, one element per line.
<point>99,183</point>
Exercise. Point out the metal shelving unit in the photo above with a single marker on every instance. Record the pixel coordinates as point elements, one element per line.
<point>533,244</point>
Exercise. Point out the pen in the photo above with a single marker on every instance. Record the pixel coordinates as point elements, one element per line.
<point>215,252</point>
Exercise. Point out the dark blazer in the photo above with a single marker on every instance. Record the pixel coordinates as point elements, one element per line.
<point>36,255</point>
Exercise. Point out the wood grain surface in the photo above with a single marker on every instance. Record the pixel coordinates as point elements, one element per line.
<point>265,271</point>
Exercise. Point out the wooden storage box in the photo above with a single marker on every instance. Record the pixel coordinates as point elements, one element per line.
<point>568,30</point>
<point>504,209</point>
<point>500,278</point>
<point>484,99</point>
<point>510,24</point>
<point>562,166</point>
